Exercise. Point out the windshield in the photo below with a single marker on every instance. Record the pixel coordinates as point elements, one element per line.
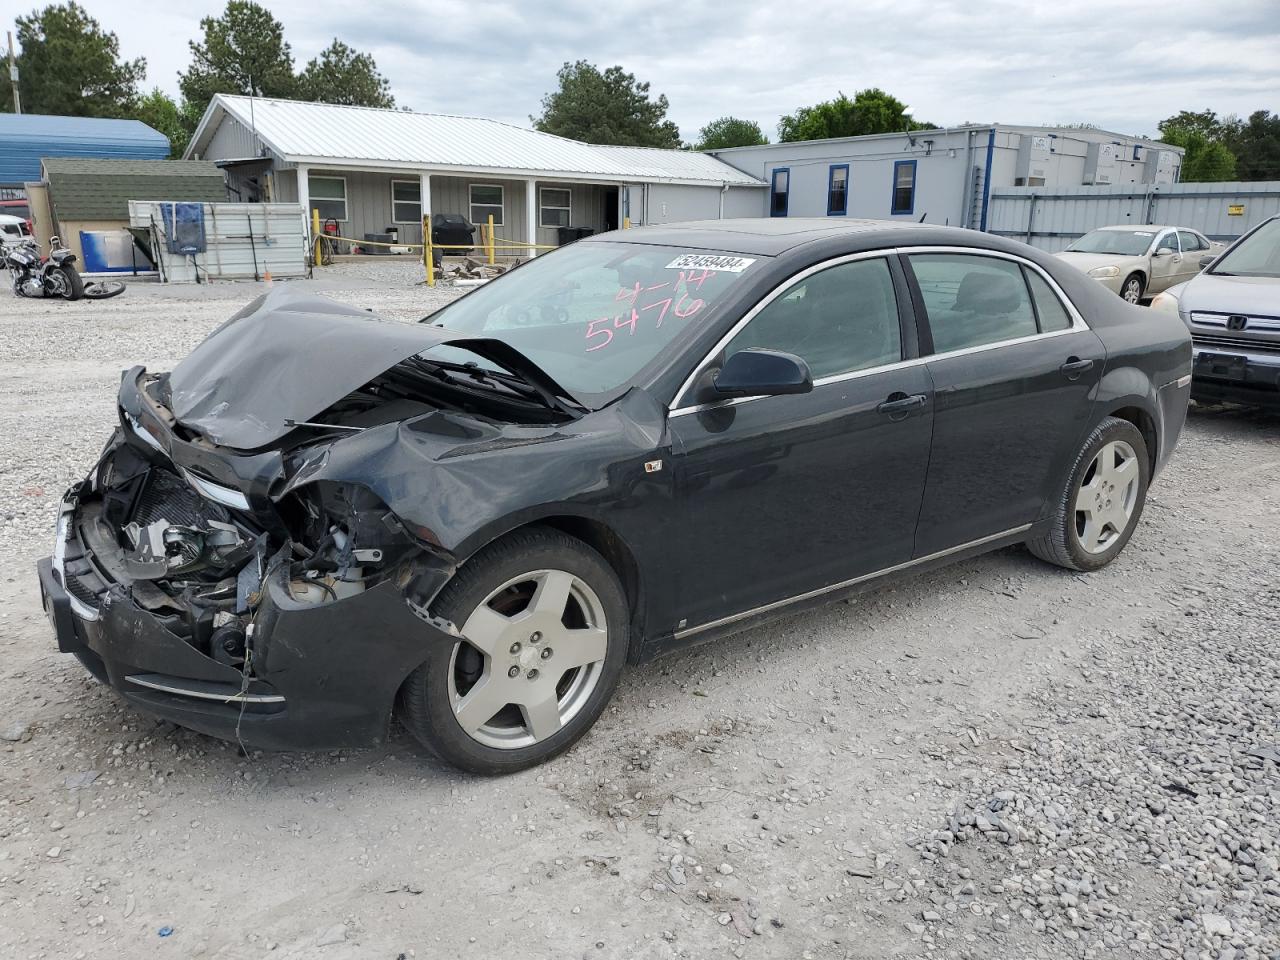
<point>593,315</point>
<point>1123,243</point>
<point>1257,255</point>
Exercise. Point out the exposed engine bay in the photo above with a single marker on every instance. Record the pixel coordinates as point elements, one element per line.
<point>201,565</point>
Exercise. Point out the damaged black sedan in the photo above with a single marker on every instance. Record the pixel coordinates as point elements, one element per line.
<point>321,519</point>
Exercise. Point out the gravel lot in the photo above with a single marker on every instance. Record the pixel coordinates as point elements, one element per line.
<point>998,759</point>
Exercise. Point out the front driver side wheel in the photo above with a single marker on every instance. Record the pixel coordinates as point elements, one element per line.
<point>1131,289</point>
<point>545,628</point>
<point>1095,512</point>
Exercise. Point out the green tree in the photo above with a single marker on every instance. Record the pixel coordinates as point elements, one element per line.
<point>1256,144</point>
<point>1206,157</point>
<point>70,66</point>
<point>243,51</point>
<point>606,107</point>
<point>158,111</point>
<point>730,132</point>
<point>870,111</point>
<point>341,75</point>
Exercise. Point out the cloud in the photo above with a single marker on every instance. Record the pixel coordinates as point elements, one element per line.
<point>1123,67</point>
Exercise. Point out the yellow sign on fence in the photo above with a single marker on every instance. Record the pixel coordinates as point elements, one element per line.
<point>1235,210</point>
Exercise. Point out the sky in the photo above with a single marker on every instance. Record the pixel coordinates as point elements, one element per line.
<point>1119,66</point>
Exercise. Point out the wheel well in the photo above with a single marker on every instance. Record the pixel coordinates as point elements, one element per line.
<point>616,553</point>
<point>1146,426</point>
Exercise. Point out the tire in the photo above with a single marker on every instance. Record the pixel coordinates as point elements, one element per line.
<point>74,286</point>
<point>1132,289</point>
<point>487,600</point>
<point>103,289</point>
<point>1086,533</point>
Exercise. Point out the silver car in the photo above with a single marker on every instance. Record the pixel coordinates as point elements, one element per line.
<point>1233,312</point>
<point>1140,261</point>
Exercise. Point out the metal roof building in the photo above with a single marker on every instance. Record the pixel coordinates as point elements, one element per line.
<point>368,169</point>
<point>26,138</point>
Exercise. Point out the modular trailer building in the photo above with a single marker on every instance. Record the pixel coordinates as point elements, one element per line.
<point>368,169</point>
<point>943,176</point>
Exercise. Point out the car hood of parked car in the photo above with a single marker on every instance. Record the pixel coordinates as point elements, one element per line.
<point>1087,261</point>
<point>1214,293</point>
<point>287,356</point>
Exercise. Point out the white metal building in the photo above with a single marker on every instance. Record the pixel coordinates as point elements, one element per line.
<point>370,169</point>
<point>943,176</point>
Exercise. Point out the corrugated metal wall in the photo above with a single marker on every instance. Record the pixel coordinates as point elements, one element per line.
<point>244,241</point>
<point>26,138</point>
<point>1051,218</point>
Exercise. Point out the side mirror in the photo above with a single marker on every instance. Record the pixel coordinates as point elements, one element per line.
<point>762,373</point>
<point>1207,259</point>
<point>1165,251</point>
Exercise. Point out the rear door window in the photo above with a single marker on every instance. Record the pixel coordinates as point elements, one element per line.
<point>972,300</point>
<point>1053,315</point>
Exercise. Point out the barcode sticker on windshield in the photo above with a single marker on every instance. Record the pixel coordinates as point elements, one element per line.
<point>710,261</point>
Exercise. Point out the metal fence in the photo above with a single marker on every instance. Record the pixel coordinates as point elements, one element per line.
<point>241,241</point>
<point>1051,217</point>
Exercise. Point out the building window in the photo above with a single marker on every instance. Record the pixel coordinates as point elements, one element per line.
<point>486,201</point>
<point>778,188</point>
<point>904,187</point>
<point>329,196</point>
<point>406,201</point>
<point>838,190</point>
<point>554,206</point>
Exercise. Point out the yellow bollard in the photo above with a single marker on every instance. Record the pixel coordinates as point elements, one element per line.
<point>626,223</point>
<point>491,260</point>
<point>430,262</point>
<point>315,235</point>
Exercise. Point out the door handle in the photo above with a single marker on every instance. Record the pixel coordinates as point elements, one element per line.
<point>1075,366</point>
<point>900,404</point>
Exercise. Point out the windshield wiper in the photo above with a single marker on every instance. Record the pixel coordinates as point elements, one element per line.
<point>521,386</point>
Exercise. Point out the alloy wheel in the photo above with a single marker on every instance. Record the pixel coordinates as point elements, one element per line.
<point>1107,496</point>
<point>533,654</point>
<point>1132,292</point>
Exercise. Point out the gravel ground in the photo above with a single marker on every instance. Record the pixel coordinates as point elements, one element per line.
<point>998,759</point>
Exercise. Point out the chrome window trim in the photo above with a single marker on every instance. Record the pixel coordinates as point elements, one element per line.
<point>854,581</point>
<point>1078,322</point>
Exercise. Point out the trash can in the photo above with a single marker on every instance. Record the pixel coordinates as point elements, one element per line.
<point>452,230</point>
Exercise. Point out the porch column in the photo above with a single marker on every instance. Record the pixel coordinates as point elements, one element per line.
<point>425,211</point>
<point>622,205</point>
<point>531,214</point>
<point>304,198</point>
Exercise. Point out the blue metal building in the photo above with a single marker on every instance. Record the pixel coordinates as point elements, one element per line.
<point>26,138</point>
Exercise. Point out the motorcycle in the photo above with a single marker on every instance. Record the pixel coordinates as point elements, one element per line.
<point>52,276</point>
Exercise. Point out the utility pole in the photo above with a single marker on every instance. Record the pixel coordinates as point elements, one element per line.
<point>13,77</point>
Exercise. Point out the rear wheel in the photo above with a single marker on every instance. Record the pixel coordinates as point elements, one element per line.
<point>1095,513</point>
<point>545,631</point>
<point>1131,289</point>
<point>72,286</point>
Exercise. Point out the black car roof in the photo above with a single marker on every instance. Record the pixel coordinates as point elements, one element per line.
<point>771,236</point>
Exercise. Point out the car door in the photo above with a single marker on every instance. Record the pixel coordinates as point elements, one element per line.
<point>1014,368</point>
<point>1194,246</point>
<point>1166,263</point>
<point>782,495</point>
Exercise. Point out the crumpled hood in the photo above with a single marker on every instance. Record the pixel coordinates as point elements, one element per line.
<point>288,356</point>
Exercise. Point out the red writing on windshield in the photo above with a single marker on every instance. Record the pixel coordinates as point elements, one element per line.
<point>649,304</point>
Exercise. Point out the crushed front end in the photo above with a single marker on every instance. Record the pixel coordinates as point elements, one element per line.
<point>208,589</point>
